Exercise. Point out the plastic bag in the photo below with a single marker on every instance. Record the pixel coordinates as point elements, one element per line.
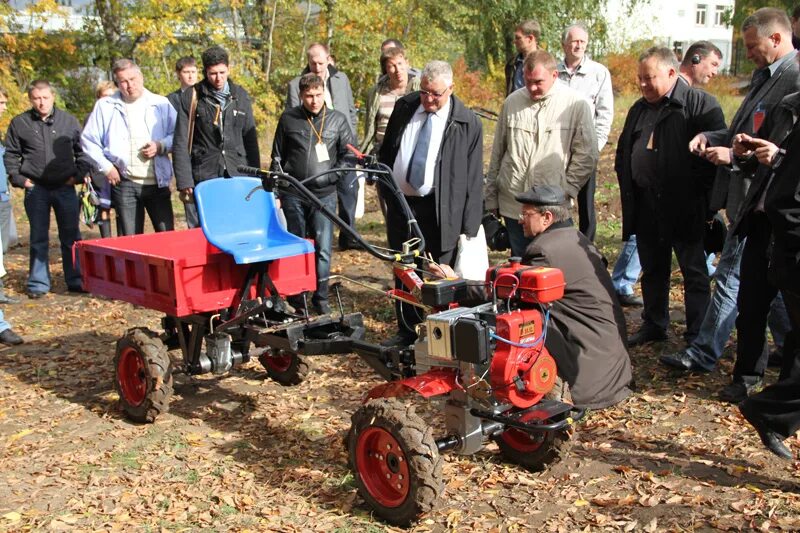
<point>472,259</point>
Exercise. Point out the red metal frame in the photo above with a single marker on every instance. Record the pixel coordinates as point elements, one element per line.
<point>435,382</point>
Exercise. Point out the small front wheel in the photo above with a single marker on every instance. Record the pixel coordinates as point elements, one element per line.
<point>398,469</point>
<point>142,375</point>
<point>284,366</point>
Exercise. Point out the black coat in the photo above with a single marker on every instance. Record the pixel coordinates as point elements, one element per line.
<point>778,125</point>
<point>683,178</point>
<point>48,152</point>
<point>295,143</point>
<point>782,206</point>
<point>215,151</point>
<point>458,177</point>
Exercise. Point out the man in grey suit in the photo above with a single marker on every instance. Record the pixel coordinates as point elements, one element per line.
<point>338,96</point>
<point>767,37</point>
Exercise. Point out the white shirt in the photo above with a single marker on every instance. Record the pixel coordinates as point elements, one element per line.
<point>140,169</point>
<point>593,81</point>
<point>409,141</point>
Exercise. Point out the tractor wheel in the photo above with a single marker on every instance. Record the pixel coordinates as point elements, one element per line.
<point>285,367</point>
<point>534,452</point>
<point>398,469</point>
<point>143,375</point>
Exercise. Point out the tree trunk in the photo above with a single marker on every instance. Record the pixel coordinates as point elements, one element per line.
<point>269,44</point>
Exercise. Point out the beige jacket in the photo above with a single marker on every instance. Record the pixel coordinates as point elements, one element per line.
<point>551,141</point>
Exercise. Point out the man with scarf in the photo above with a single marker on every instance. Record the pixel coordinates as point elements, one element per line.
<point>215,131</point>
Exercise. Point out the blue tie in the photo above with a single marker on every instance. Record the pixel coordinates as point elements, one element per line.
<point>416,170</point>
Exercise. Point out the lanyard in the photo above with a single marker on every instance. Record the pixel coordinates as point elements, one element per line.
<point>321,126</point>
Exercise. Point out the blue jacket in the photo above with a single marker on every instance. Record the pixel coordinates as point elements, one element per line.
<point>106,137</point>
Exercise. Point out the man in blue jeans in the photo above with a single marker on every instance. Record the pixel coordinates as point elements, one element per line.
<point>309,139</point>
<point>44,156</point>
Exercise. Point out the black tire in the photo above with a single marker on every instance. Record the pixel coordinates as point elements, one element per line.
<point>535,452</point>
<point>398,469</point>
<point>285,367</point>
<point>142,375</point>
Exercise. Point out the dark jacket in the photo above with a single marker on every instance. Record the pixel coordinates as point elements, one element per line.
<point>48,152</point>
<point>295,143</point>
<point>683,178</point>
<point>340,90</point>
<point>777,127</point>
<point>175,99</point>
<point>590,347</point>
<point>511,68</point>
<point>782,204</point>
<point>730,187</point>
<point>217,149</point>
<point>458,177</point>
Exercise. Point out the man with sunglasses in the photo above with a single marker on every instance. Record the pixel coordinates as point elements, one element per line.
<point>434,146</point>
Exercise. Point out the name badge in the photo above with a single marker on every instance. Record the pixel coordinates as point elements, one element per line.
<point>322,153</point>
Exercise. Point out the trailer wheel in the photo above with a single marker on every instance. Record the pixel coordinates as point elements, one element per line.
<point>398,469</point>
<point>284,366</point>
<point>534,452</point>
<point>143,375</point>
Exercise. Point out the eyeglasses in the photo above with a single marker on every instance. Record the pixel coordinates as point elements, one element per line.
<point>423,92</point>
<point>526,214</point>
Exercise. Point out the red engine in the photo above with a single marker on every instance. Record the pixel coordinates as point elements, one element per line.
<point>529,284</point>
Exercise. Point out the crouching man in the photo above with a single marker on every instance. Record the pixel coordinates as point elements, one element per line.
<point>586,335</point>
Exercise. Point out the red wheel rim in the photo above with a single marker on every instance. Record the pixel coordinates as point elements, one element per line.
<point>281,362</point>
<point>521,440</point>
<point>383,467</point>
<point>131,376</point>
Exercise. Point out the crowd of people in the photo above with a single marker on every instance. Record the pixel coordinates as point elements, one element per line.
<point>678,163</point>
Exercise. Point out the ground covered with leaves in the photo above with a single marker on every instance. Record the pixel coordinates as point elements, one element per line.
<point>241,452</point>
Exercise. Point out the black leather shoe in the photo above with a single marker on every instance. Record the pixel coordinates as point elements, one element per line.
<point>630,300</point>
<point>77,290</point>
<point>682,361</point>
<point>738,391</point>
<point>645,336</point>
<point>5,299</point>
<point>9,338</point>
<point>771,440</point>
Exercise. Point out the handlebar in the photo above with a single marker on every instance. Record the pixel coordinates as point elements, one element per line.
<point>376,172</point>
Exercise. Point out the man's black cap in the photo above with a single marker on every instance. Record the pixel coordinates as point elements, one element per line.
<point>543,195</point>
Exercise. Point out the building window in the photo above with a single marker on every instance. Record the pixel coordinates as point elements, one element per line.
<point>66,3</point>
<point>700,14</point>
<point>719,16</point>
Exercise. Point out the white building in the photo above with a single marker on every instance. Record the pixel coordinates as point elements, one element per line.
<point>673,23</point>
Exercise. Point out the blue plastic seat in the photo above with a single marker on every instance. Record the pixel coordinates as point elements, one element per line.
<point>247,229</point>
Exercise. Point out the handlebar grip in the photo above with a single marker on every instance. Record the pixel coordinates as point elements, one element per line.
<point>250,171</point>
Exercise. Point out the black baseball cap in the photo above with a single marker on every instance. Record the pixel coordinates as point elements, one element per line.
<point>543,195</point>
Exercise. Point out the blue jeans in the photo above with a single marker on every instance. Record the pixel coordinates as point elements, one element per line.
<point>720,318</point>
<point>64,202</point>
<point>308,222</point>
<point>3,324</point>
<point>627,268</point>
<point>131,199</point>
<point>516,236</point>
